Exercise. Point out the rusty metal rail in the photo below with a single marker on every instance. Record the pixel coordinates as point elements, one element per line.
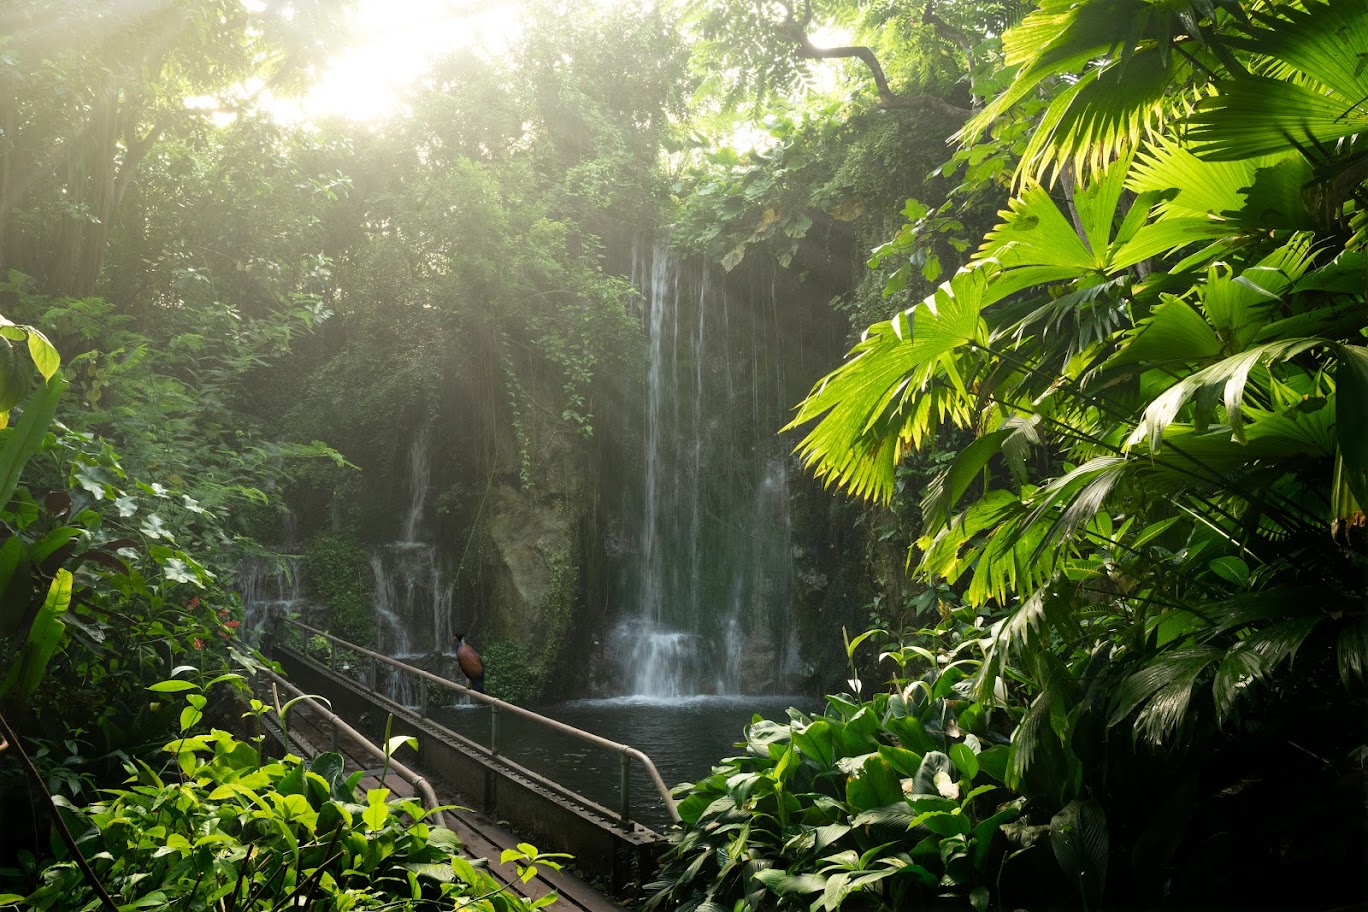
<point>626,752</point>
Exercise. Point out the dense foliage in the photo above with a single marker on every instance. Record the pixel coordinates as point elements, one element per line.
<point>1159,353</point>
<point>818,810</point>
<point>1108,420</point>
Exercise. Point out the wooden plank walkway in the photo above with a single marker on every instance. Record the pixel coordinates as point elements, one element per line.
<point>481,837</point>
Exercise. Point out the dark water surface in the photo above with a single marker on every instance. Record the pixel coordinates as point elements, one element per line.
<point>684,736</point>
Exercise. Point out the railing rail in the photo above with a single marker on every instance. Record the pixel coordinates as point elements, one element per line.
<point>497,706</point>
<point>419,783</point>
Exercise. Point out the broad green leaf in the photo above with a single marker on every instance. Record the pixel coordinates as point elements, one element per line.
<point>28,434</point>
<point>965,760</point>
<point>1078,835</point>
<point>44,355</point>
<point>173,686</point>
<point>44,637</point>
<point>1351,417</point>
<point>1232,569</point>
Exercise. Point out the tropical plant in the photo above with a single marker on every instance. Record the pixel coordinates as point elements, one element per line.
<point>1164,369</point>
<point>878,802</point>
<point>230,829</point>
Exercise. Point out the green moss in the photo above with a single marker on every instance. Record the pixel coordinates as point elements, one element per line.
<point>339,570</point>
<point>508,675</point>
<point>510,671</point>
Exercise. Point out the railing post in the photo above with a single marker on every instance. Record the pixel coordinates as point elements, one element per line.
<point>491,784</point>
<point>626,791</point>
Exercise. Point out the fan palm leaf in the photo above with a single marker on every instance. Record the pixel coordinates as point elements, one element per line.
<point>1250,115</point>
<point>900,379</point>
<point>1251,194</point>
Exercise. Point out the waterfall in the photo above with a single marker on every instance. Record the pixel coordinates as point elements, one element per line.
<point>413,601</point>
<point>269,586</point>
<point>269,583</point>
<point>710,606</point>
<point>420,480</point>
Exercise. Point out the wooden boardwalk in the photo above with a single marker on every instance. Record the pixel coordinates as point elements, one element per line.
<point>481,837</point>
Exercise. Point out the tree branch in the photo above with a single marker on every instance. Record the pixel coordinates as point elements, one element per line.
<point>888,99</point>
<point>105,899</point>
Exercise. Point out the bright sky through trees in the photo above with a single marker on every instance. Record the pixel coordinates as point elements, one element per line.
<point>391,43</point>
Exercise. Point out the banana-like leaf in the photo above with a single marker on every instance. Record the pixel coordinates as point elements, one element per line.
<point>1078,835</point>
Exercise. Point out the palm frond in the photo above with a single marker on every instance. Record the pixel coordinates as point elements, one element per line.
<point>1352,653</point>
<point>1104,115</point>
<point>1074,498</point>
<point>1222,190</point>
<point>1173,332</point>
<point>1162,690</point>
<point>1257,115</point>
<point>1229,374</point>
<point>896,382</point>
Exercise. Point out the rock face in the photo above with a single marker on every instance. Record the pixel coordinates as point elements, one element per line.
<point>527,539</point>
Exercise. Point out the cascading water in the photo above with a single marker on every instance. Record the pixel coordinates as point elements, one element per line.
<point>713,589</point>
<point>270,590</point>
<point>412,600</point>
<point>269,584</point>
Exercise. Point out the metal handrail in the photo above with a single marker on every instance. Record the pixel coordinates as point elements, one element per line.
<point>625,750</point>
<point>419,783</point>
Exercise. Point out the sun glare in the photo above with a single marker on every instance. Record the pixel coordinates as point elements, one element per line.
<point>390,44</point>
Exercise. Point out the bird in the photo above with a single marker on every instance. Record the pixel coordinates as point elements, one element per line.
<point>472,666</point>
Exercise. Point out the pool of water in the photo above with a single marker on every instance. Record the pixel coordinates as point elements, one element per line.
<point>684,737</point>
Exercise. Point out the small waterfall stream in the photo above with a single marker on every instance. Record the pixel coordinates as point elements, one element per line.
<point>269,583</point>
<point>412,600</point>
<point>712,610</point>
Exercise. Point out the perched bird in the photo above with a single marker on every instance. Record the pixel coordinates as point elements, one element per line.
<point>472,666</point>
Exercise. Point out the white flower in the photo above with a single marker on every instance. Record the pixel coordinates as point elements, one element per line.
<point>948,787</point>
